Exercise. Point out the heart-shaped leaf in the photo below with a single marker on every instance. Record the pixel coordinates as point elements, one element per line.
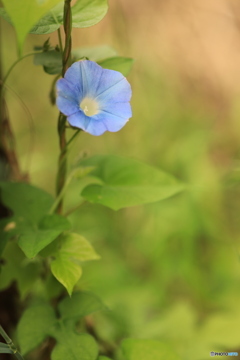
<point>127,182</point>
<point>25,13</point>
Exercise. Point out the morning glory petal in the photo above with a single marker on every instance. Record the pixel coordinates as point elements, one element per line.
<point>75,77</point>
<point>66,107</point>
<point>65,89</point>
<point>122,110</point>
<point>119,92</point>
<point>94,99</point>
<point>96,127</point>
<point>109,79</point>
<point>92,74</point>
<point>79,120</point>
<point>93,127</point>
<point>67,99</point>
<point>112,122</point>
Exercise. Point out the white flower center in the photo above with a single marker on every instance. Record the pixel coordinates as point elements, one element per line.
<point>89,106</point>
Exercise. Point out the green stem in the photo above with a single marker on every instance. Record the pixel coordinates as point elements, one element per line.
<point>63,187</point>
<point>52,93</point>
<point>10,344</point>
<point>73,137</point>
<point>15,63</point>
<point>60,40</point>
<point>60,196</point>
<point>18,356</point>
<point>9,72</point>
<point>66,58</point>
<point>5,335</point>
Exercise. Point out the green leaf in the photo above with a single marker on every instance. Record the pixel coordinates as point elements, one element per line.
<point>103,358</point>
<point>25,13</point>
<point>50,249</point>
<point>50,22</point>
<point>79,305</point>
<point>52,287</point>
<point>7,231</point>
<point>50,60</point>
<point>72,346</point>
<point>32,240</point>
<point>5,15</point>
<point>30,205</point>
<point>25,200</point>
<point>15,267</point>
<point>5,349</point>
<point>66,272</point>
<point>73,250</point>
<point>34,326</point>
<point>118,63</point>
<point>96,53</point>
<point>127,182</point>
<point>87,13</point>
<point>46,25</point>
<point>35,238</point>
<point>39,322</point>
<point>54,221</point>
<point>77,248</point>
<point>139,349</point>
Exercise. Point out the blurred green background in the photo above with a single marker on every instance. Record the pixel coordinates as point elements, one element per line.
<point>169,270</point>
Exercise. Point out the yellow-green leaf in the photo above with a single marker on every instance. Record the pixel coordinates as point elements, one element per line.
<point>73,250</point>
<point>25,13</point>
<point>127,182</point>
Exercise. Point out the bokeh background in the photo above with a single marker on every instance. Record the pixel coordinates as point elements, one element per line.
<point>169,270</point>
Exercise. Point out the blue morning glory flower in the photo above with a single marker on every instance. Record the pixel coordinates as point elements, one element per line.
<point>94,99</point>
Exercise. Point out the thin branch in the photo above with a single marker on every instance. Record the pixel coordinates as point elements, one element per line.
<point>74,136</point>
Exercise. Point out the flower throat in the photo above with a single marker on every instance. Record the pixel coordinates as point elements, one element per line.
<point>89,106</point>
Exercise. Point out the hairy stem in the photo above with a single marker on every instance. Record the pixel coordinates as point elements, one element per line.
<point>66,58</point>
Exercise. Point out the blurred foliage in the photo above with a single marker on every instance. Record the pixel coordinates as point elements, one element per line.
<point>168,271</point>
